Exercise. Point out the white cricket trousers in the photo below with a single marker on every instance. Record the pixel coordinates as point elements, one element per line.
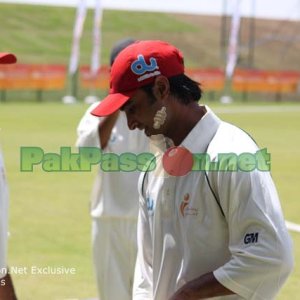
<point>114,253</point>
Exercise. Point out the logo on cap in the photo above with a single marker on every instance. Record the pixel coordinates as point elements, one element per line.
<point>140,67</point>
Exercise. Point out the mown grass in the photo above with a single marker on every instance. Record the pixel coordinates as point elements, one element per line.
<point>44,34</point>
<point>49,215</point>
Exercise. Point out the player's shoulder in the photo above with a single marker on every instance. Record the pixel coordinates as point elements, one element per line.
<point>231,138</point>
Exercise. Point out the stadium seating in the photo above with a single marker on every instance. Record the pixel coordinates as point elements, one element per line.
<point>53,77</point>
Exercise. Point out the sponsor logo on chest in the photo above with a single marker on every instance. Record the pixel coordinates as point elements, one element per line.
<point>186,209</point>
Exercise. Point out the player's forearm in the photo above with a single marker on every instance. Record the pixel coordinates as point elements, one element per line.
<point>105,128</point>
<point>7,291</point>
<point>205,286</point>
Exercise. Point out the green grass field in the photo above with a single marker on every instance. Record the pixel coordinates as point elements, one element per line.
<point>49,212</point>
<point>49,215</point>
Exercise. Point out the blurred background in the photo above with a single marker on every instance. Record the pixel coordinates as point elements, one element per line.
<point>245,50</point>
<point>266,49</point>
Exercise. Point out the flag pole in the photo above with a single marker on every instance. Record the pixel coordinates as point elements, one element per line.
<point>232,52</point>
<point>73,71</point>
<point>96,52</point>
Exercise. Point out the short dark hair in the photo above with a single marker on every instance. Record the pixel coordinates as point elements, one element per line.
<point>118,47</point>
<point>185,89</point>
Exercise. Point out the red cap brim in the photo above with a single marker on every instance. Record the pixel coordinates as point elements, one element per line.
<point>7,58</point>
<point>111,104</point>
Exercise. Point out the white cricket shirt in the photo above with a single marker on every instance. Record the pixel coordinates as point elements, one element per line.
<point>3,218</point>
<point>182,233</point>
<point>114,194</point>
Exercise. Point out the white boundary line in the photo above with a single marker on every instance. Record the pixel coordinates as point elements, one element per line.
<point>292,226</point>
<point>256,109</point>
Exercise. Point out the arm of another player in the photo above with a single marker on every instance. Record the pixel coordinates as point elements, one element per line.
<point>93,131</point>
<point>87,129</point>
<point>105,128</point>
<point>7,291</point>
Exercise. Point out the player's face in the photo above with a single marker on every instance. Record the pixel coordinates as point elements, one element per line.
<point>140,111</point>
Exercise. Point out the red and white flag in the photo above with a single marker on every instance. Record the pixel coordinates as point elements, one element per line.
<point>233,45</point>
<point>77,32</point>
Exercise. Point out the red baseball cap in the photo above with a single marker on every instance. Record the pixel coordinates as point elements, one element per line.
<point>7,58</point>
<point>136,66</point>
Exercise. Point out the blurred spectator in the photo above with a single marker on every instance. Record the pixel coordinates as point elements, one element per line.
<point>6,286</point>
<point>114,206</point>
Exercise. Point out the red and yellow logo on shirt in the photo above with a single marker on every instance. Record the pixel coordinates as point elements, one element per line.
<point>185,208</point>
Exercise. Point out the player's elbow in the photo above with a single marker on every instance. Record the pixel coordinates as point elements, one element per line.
<point>286,259</point>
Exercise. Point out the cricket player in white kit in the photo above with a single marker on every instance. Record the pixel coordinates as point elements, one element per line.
<point>114,200</point>
<point>6,285</point>
<point>212,232</point>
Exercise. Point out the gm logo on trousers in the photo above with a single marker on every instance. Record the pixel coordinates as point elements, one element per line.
<point>251,238</point>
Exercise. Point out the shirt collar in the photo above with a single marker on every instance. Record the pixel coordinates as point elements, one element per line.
<point>196,141</point>
<point>201,135</point>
